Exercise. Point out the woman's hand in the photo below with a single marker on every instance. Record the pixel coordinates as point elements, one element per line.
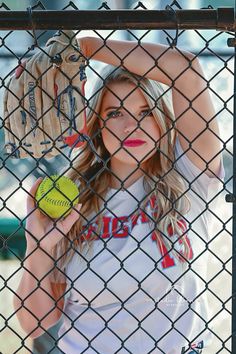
<point>41,228</point>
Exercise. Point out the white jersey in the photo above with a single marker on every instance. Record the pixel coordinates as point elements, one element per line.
<point>128,294</point>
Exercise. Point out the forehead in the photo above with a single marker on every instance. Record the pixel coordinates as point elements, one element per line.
<point>127,92</point>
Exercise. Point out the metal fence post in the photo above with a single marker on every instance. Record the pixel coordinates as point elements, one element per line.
<point>234,218</point>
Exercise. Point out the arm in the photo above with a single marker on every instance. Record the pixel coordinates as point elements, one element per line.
<point>192,104</point>
<point>37,301</point>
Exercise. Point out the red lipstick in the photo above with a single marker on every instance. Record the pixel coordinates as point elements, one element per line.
<point>133,142</point>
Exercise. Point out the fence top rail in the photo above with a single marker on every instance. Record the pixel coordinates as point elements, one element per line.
<point>221,18</point>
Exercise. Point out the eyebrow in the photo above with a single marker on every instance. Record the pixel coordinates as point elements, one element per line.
<point>123,106</point>
<point>113,107</point>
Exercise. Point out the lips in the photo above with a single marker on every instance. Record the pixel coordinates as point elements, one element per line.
<point>133,142</point>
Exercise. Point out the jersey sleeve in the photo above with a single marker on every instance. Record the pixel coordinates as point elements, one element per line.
<point>197,181</point>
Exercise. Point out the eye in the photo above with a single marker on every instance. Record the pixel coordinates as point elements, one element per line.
<point>113,114</point>
<point>146,113</point>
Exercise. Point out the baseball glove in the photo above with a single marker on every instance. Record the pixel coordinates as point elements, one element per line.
<point>44,105</point>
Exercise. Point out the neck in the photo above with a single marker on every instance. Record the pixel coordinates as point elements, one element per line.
<point>128,174</point>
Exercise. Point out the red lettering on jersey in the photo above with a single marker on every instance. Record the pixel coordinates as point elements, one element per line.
<point>119,229</point>
<point>153,202</point>
<point>189,255</point>
<point>184,238</point>
<point>91,232</point>
<point>181,223</point>
<point>167,260</point>
<point>106,227</point>
<point>144,217</point>
<point>141,216</point>
<point>134,220</point>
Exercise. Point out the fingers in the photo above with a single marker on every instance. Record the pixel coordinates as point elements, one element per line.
<point>31,195</point>
<point>71,219</point>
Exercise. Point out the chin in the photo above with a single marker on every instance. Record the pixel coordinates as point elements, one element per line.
<point>129,160</point>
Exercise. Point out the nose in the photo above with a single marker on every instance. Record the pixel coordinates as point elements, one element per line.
<point>131,123</point>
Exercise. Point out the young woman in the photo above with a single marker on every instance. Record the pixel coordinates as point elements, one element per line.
<point>126,270</point>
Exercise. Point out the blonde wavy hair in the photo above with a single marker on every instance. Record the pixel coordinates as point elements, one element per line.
<point>161,179</point>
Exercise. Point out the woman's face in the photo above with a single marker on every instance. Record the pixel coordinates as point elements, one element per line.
<point>129,130</point>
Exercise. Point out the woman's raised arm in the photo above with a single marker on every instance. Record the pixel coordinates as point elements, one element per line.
<point>193,107</point>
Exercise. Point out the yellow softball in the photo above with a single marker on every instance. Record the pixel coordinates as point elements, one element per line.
<point>56,195</point>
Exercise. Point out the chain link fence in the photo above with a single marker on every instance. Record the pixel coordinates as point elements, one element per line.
<point>147,265</point>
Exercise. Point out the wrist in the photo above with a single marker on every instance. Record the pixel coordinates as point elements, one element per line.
<point>38,263</point>
<point>38,244</point>
<point>89,45</point>
<point>36,254</point>
<point>83,46</point>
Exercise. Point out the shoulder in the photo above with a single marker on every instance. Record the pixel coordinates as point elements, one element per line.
<point>197,180</point>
